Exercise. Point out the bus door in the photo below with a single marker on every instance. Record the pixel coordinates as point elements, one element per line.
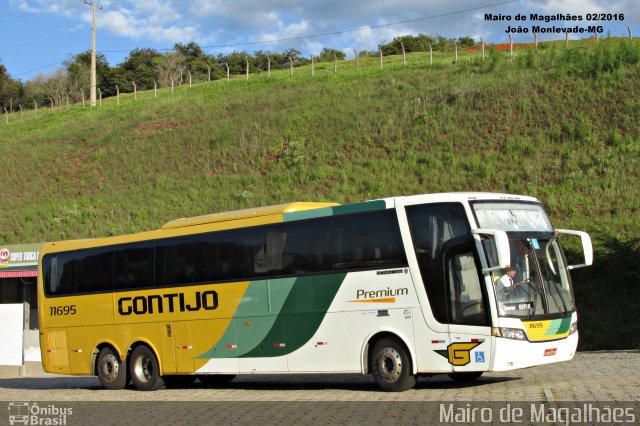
<point>468,309</point>
<point>450,270</point>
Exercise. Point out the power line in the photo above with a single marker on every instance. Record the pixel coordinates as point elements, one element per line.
<point>370,27</point>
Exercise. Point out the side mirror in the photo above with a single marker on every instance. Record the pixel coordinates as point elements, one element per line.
<point>503,251</point>
<point>587,247</point>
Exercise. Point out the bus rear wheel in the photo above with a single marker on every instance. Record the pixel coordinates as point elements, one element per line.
<point>110,370</point>
<point>391,366</point>
<point>144,369</point>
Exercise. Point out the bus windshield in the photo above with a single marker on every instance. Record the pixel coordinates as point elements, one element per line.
<point>537,284</point>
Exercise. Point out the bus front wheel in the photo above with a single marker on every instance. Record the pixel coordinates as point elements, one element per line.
<point>110,370</point>
<point>391,366</point>
<point>144,369</point>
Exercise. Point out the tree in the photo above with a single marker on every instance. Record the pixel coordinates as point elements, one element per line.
<point>466,41</point>
<point>78,68</point>
<point>327,55</point>
<point>139,66</point>
<point>196,60</point>
<point>169,66</point>
<point>11,91</point>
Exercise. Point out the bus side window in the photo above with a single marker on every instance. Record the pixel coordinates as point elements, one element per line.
<point>432,226</point>
<point>63,274</point>
<point>358,240</point>
<point>134,266</point>
<point>94,270</point>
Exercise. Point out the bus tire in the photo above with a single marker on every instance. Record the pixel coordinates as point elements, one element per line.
<point>145,370</point>
<point>110,370</point>
<point>467,376</point>
<point>391,366</point>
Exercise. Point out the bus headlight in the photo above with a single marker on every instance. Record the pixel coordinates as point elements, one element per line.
<point>510,333</point>
<point>573,328</point>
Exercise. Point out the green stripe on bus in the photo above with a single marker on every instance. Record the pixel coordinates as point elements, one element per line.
<point>307,214</point>
<point>366,206</point>
<point>301,315</point>
<point>559,326</point>
<point>254,317</point>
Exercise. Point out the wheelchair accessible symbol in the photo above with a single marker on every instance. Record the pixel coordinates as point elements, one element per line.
<point>479,356</point>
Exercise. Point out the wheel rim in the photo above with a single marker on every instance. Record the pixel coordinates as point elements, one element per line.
<point>143,369</point>
<point>110,368</point>
<point>389,364</point>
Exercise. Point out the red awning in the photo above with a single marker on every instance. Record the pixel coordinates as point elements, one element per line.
<point>18,274</point>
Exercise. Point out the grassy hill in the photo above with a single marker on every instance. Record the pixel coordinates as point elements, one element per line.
<point>559,124</point>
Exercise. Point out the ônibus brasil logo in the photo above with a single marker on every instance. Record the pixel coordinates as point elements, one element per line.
<point>28,413</point>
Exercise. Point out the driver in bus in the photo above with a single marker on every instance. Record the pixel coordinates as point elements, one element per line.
<point>506,283</point>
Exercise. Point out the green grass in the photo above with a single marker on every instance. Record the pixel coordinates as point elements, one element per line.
<point>558,124</point>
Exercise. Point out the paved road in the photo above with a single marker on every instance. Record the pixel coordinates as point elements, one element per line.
<point>596,376</point>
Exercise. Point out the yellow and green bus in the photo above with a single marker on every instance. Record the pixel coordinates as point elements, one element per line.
<point>398,287</point>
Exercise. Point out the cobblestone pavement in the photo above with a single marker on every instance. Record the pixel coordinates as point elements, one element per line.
<point>593,376</point>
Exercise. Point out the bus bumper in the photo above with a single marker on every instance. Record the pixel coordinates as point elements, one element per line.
<point>510,354</point>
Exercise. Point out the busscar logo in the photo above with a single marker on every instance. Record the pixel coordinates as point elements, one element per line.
<point>26,413</point>
<point>171,302</point>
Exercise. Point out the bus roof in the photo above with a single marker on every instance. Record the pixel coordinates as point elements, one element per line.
<point>246,213</point>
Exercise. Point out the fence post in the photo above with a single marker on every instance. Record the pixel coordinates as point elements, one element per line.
<point>20,108</point>
<point>381,63</point>
<point>172,85</point>
<point>135,91</point>
<point>246,61</point>
<point>209,73</point>
<point>290,67</point>
<point>566,39</point>
<point>313,67</point>
<point>335,63</point>
<point>52,103</point>
<point>430,54</point>
<point>510,45</point>
<point>226,64</point>
<point>404,55</point>
<point>100,96</point>
<point>629,29</point>
<point>269,66</point>
<point>117,95</point>
<point>82,92</point>
<point>596,34</point>
<point>189,72</point>
<point>482,47</point>
<point>357,59</point>
<point>155,89</point>
<point>455,50</point>
<point>535,39</point>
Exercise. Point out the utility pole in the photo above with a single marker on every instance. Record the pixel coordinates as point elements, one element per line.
<point>93,51</point>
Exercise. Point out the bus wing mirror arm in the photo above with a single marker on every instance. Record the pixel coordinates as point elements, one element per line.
<point>502,247</point>
<point>587,247</point>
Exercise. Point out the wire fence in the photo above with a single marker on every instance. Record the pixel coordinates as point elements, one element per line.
<point>67,100</point>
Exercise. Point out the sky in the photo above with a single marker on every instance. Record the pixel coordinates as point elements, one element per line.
<point>39,35</point>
